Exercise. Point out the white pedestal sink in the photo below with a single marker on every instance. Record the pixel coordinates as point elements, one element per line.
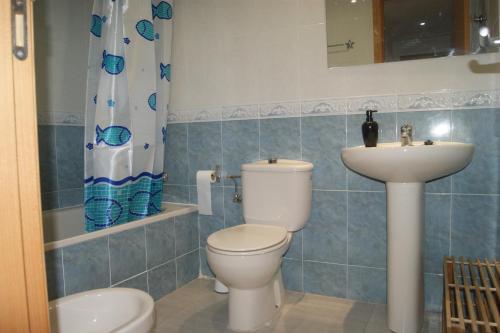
<point>405,171</point>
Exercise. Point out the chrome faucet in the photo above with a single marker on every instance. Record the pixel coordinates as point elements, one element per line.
<point>406,135</point>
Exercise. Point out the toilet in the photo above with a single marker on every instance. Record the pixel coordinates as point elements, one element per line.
<point>247,258</point>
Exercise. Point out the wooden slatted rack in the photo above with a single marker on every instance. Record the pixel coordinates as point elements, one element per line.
<point>471,296</point>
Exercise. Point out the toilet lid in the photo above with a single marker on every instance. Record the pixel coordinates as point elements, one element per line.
<point>247,237</point>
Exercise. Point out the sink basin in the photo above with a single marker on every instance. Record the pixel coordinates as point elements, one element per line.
<point>390,162</point>
<point>117,310</point>
<point>405,171</point>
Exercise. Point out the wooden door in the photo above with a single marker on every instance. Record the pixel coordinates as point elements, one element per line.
<point>23,288</point>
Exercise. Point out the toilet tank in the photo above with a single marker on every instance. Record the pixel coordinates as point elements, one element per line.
<point>278,193</point>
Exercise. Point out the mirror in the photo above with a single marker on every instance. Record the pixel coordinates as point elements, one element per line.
<point>374,31</point>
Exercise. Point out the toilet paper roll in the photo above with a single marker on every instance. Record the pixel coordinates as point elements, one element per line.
<point>203,181</point>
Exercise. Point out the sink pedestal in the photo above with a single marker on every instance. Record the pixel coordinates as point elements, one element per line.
<point>405,228</point>
<point>405,169</point>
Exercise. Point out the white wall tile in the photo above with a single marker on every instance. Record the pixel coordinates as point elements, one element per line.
<point>288,39</point>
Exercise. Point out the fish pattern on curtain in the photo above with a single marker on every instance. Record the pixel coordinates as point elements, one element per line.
<point>128,81</point>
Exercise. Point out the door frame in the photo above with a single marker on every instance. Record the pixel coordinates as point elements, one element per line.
<point>378,31</point>
<point>23,286</point>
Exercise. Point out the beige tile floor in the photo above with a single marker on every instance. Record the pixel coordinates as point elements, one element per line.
<point>195,308</point>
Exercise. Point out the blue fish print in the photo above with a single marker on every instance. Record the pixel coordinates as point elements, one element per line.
<point>164,134</point>
<point>145,29</point>
<point>113,211</point>
<point>96,25</point>
<point>165,71</point>
<point>138,201</point>
<point>152,101</point>
<point>162,11</point>
<point>112,135</point>
<point>112,64</point>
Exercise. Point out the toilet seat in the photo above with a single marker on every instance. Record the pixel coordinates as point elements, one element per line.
<point>247,239</point>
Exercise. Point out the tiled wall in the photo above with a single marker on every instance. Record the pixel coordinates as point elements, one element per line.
<point>342,250</point>
<point>61,165</point>
<point>156,258</point>
<point>259,51</point>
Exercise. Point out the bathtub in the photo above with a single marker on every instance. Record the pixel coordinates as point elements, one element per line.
<point>66,226</point>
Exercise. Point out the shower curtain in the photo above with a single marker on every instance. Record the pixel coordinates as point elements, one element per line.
<point>125,123</point>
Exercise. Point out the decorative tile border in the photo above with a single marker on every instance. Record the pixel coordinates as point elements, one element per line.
<point>475,99</point>
<point>240,112</point>
<point>178,116</point>
<point>324,107</point>
<point>380,103</point>
<point>424,101</point>
<point>204,115</point>
<point>61,118</point>
<point>428,101</point>
<point>279,110</point>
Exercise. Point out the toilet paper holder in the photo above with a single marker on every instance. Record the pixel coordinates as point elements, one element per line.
<point>216,174</point>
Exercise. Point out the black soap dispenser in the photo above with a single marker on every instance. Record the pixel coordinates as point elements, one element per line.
<point>370,130</point>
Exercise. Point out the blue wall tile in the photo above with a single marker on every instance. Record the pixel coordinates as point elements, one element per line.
<point>68,198</point>
<point>176,154</point>
<point>176,193</point>
<point>367,284</point>
<point>322,141</point>
<point>193,199</point>
<point>292,274</point>
<point>186,233</point>
<point>280,138</point>
<point>437,231</point>
<point>211,223</point>
<point>127,251</point>
<point>233,211</point>
<point>325,236</point>
<point>86,265</point>
<point>160,240</point>
<point>137,282</point>
<point>240,142</point>
<point>295,250</point>
<point>54,271</point>
<point>161,280</point>
<point>430,125</point>
<point>440,185</point>
<point>47,158</point>
<point>474,217</point>
<point>69,146</point>
<point>433,285</point>
<point>50,200</point>
<point>188,267</point>
<point>427,125</point>
<point>205,151</point>
<point>325,279</point>
<point>367,229</point>
<point>482,176</point>
<point>387,133</point>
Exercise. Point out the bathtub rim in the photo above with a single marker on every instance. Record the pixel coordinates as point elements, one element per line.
<point>176,209</point>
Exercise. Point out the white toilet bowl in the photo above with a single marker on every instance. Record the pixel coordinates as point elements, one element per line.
<point>247,259</point>
<point>277,196</point>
